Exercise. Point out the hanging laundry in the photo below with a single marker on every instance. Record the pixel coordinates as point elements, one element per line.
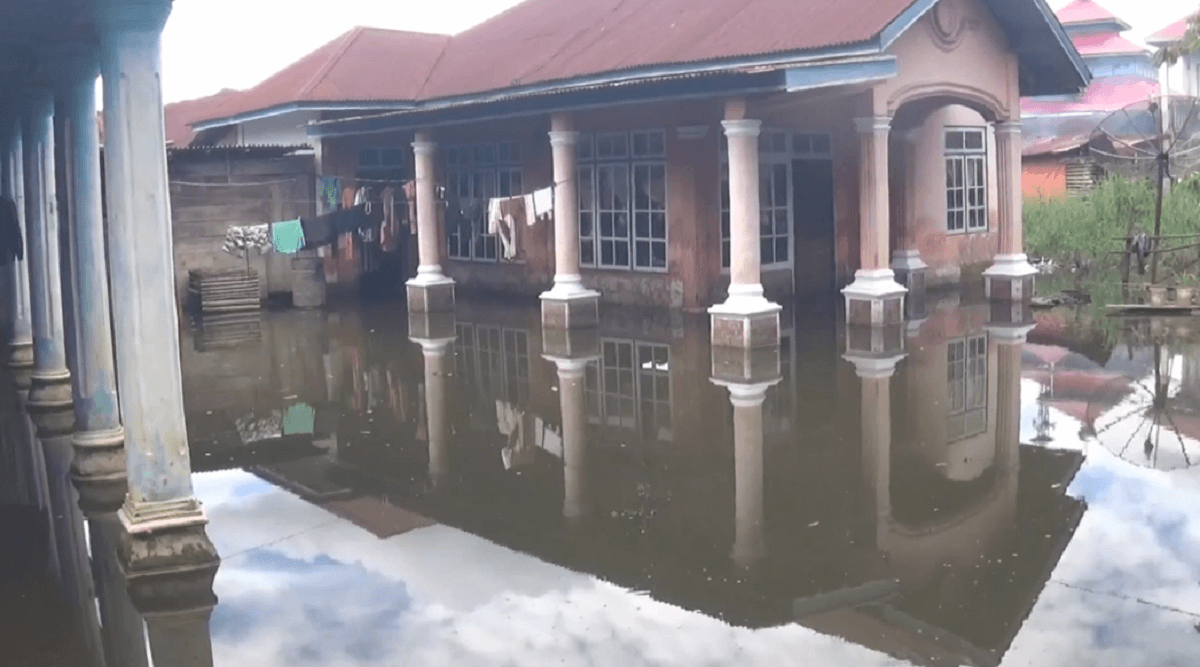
<point>330,189</point>
<point>503,214</point>
<point>540,206</point>
<point>252,428</point>
<point>12,246</point>
<point>348,194</point>
<point>287,237</point>
<point>410,195</point>
<point>240,238</point>
<point>299,418</point>
<point>510,421</point>
<point>390,227</point>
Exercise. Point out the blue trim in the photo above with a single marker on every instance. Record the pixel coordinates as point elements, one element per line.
<point>839,74</point>
<point>902,23</point>
<point>279,110</point>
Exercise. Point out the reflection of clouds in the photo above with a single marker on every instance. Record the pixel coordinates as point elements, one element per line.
<point>337,596</point>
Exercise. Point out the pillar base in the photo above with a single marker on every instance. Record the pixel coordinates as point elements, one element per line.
<point>19,360</point>
<point>911,272</point>
<point>98,470</point>
<point>171,570</point>
<point>745,366</point>
<point>746,319</point>
<point>431,326</point>
<point>308,281</point>
<point>50,390</point>
<point>51,421</point>
<point>570,344</point>
<point>430,293</point>
<point>570,308</point>
<point>874,298</point>
<point>1009,278</point>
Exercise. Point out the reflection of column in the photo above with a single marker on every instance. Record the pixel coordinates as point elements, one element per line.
<point>874,297</point>
<point>161,512</point>
<point>1010,277</point>
<point>577,503</point>
<point>180,638</point>
<point>121,625</point>
<point>19,325</point>
<point>568,304</point>
<point>1009,340</point>
<point>875,374</point>
<point>50,382</point>
<point>749,542</point>
<point>431,291</point>
<point>437,353</point>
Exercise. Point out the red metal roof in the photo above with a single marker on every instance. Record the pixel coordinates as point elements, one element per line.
<point>1085,11</point>
<point>1053,145</point>
<point>179,116</point>
<point>1105,44</point>
<point>1171,33</point>
<point>1104,94</point>
<point>364,64</point>
<point>547,40</point>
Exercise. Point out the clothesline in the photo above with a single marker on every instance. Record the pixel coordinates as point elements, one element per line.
<point>250,184</point>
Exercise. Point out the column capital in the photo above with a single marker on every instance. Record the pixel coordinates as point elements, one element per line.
<point>746,394</point>
<point>563,138</point>
<point>571,368</point>
<point>874,367</point>
<point>120,16</point>
<point>433,346</point>
<point>742,128</point>
<point>873,124</point>
<point>424,147</point>
<point>71,63</point>
<point>1009,127</point>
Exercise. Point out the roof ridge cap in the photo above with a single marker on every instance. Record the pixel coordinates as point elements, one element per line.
<point>348,38</point>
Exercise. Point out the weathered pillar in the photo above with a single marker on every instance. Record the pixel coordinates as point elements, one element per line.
<point>875,373</point>
<point>568,304</point>
<point>874,298</point>
<point>571,350</point>
<point>907,264</point>
<point>99,440</point>
<point>50,382</point>
<point>431,291</point>
<point>19,326</point>
<point>1011,276</point>
<point>747,318</point>
<point>163,518</point>
<point>435,334</point>
<point>121,630</point>
<point>1007,338</point>
<point>747,374</point>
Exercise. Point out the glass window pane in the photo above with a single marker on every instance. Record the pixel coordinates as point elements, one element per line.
<point>820,144</point>
<point>368,157</point>
<point>622,253</point>
<point>658,255</point>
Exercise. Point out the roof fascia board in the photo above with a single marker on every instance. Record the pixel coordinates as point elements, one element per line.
<point>825,75</point>
<point>644,75</point>
<point>1063,40</point>
<point>902,23</point>
<point>279,110</point>
<point>594,98</point>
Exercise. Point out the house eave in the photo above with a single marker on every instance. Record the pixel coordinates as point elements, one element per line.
<point>292,107</point>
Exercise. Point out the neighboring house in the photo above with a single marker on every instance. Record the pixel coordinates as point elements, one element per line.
<point>1057,127</point>
<point>1188,66</point>
<point>648,85</point>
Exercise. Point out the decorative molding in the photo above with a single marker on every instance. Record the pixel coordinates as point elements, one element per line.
<point>948,23</point>
<point>985,102</point>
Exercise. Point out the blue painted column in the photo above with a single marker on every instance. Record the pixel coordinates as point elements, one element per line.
<point>161,514</point>
<point>19,327</point>
<point>99,439</point>
<point>50,382</point>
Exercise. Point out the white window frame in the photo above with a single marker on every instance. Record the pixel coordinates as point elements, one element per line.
<point>484,169</point>
<point>630,396</point>
<point>376,168</point>
<point>775,148</point>
<point>494,360</point>
<point>966,184</point>
<point>615,152</point>
<point>966,387</point>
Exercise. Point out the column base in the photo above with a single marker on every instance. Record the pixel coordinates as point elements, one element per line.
<point>746,319</point>
<point>171,570</point>
<point>430,293</point>
<point>19,360</point>
<point>570,344</point>
<point>570,307</point>
<point>308,281</point>
<point>874,298</point>
<point>431,326</point>
<point>1009,278</point>
<point>50,390</point>
<point>98,470</point>
<point>911,272</point>
<point>745,366</point>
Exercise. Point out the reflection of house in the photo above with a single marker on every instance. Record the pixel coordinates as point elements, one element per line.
<point>1057,127</point>
<point>899,536</point>
<point>648,94</point>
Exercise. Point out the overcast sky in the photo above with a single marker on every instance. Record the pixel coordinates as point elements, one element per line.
<point>213,44</point>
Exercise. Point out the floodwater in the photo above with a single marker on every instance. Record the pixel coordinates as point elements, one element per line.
<point>494,495</point>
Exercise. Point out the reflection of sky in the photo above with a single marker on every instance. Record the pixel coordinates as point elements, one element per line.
<point>300,587</point>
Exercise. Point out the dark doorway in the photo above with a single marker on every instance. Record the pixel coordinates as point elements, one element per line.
<point>812,212</point>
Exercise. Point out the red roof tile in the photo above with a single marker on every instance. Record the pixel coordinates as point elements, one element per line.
<point>1085,11</point>
<point>179,116</point>
<point>1171,33</point>
<point>1104,94</point>
<point>1105,44</point>
<point>364,64</point>
<point>547,40</point>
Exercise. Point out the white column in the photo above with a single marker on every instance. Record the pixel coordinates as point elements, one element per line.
<point>749,541</point>
<point>907,258</point>
<point>874,281</point>
<point>745,273</point>
<point>437,354</point>
<point>875,374</point>
<point>142,269</point>
<point>50,382</point>
<point>19,326</point>
<point>563,140</point>
<point>99,439</point>
<point>1010,278</point>
<point>429,271</point>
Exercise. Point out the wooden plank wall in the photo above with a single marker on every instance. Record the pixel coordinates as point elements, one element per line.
<point>208,197</point>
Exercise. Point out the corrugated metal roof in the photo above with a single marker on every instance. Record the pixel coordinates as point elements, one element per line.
<point>1053,145</point>
<point>179,116</point>
<point>1106,44</point>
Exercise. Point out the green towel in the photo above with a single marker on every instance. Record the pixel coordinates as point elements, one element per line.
<point>287,237</point>
<point>299,419</point>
